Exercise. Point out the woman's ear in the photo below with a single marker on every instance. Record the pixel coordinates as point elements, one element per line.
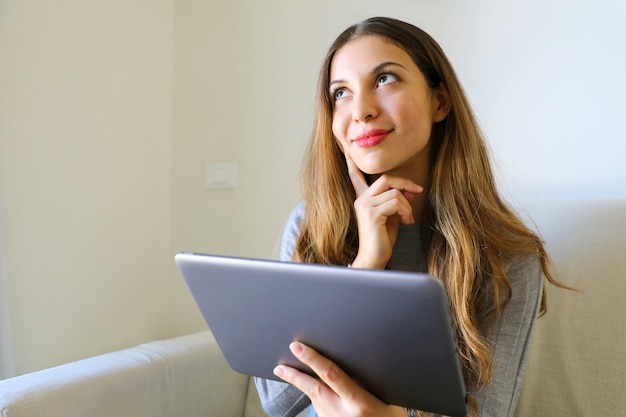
<point>441,101</point>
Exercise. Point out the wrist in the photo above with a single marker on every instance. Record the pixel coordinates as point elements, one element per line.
<point>398,411</point>
<point>402,412</point>
<point>361,262</point>
<point>410,412</point>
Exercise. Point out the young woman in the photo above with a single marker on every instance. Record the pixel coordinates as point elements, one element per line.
<point>397,176</point>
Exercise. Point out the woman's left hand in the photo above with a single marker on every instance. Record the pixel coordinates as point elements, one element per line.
<point>334,393</point>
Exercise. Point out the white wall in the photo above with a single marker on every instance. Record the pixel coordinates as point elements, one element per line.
<point>158,89</point>
<point>86,136</point>
<point>547,81</point>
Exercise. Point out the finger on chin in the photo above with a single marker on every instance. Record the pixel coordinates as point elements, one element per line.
<point>356,176</point>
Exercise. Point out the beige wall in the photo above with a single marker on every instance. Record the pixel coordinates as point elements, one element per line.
<point>86,142</point>
<point>239,98</point>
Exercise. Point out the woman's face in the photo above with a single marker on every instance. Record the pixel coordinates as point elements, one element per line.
<point>383,110</point>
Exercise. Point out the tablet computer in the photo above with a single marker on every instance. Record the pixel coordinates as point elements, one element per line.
<point>389,330</point>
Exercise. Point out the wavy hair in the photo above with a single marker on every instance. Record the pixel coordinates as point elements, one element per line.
<point>469,233</point>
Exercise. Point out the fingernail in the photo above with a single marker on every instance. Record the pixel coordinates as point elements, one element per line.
<point>296,348</point>
<point>279,371</point>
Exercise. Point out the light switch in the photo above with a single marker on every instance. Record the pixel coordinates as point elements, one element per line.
<point>223,175</point>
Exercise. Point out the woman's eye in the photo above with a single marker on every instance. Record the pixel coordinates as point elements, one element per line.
<point>339,94</point>
<point>386,79</point>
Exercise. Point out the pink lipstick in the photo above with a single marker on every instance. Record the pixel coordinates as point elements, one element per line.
<point>372,137</point>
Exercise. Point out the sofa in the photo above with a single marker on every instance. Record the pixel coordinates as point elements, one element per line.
<point>577,365</point>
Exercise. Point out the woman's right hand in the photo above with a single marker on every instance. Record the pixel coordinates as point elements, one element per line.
<point>380,208</point>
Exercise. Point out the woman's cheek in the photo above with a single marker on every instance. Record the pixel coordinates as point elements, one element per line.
<point>340,143</point>
<point>339,136</point>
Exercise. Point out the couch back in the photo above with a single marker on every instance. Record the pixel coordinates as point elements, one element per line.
<point>577,365</point>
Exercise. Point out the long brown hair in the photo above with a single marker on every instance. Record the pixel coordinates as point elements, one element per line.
<point>470,234</point>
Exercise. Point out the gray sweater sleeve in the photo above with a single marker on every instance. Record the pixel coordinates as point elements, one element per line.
<point>280,399</point>
<point>510,341</point>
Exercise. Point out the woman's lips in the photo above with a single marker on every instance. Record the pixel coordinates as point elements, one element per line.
<point>372,137</point>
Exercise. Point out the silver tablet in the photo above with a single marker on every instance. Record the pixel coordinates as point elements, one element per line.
<point>388,330</point>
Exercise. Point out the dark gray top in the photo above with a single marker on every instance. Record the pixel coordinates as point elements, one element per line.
<point>510,339</point>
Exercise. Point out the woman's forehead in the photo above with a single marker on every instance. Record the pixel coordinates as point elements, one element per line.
<point>365,53</point>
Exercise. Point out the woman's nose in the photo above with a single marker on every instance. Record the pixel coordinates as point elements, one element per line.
<point>365,107</point>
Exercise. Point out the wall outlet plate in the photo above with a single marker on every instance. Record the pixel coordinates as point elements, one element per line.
<point>221,176</point>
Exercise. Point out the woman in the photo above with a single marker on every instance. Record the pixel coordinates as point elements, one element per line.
<point>397,176</point>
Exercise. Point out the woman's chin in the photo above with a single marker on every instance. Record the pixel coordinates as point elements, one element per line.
<point>373,168</point>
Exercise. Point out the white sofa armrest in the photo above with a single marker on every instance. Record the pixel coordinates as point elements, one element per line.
<point>183,376</point>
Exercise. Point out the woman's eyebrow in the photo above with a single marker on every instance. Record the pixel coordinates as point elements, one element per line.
<point>330,86</point>
<point>378,68</point>
<point>381,66</point>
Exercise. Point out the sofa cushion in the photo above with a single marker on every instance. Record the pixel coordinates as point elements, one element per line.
<point>577,364</point>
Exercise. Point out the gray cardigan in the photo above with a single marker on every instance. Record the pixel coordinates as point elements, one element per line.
<point>510,339</point>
